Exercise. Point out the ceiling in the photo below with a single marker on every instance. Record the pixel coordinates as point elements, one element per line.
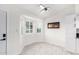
<point>55,10</point>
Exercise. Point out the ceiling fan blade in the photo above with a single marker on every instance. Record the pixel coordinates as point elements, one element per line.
<point>42,10</point>
<point>42,5</point>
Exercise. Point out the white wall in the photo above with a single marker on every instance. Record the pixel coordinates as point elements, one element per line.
<point>14,43</point>
<point>58,36</point>
<point>55,36</point>
<point>29,38</point>
<point>65,35</point>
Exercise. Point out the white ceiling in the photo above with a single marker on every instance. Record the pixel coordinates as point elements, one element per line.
<point>55,10</point>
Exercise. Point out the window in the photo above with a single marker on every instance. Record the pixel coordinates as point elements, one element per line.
<point>29,27</point>
<point>38,30</point>
<point>39,27</point>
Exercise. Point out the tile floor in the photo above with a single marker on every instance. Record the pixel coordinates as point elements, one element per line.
<point>44,49</point>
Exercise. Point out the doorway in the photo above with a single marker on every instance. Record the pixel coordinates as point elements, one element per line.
<point>3,32</point>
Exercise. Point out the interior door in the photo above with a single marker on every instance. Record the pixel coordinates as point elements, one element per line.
<point>70,33</point>
<point>3,32</point>
<point>77,32</point>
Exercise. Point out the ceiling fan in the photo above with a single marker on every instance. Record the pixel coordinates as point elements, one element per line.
<point>44,8</point>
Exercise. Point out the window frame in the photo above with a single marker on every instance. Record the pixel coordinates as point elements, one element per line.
<point>29,29</point>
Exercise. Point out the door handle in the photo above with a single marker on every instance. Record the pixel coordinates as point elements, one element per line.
<point>3,39</point>
<point>4,35</point>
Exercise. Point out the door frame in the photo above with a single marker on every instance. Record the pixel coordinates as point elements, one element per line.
<point>6,28</point>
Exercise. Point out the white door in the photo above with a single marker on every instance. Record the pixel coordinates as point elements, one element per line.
<point>70,33</point>
<point>77,31</point>
<point>3,32</point>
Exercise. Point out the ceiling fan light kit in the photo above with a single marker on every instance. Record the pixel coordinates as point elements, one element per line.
<point>44,9</point>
